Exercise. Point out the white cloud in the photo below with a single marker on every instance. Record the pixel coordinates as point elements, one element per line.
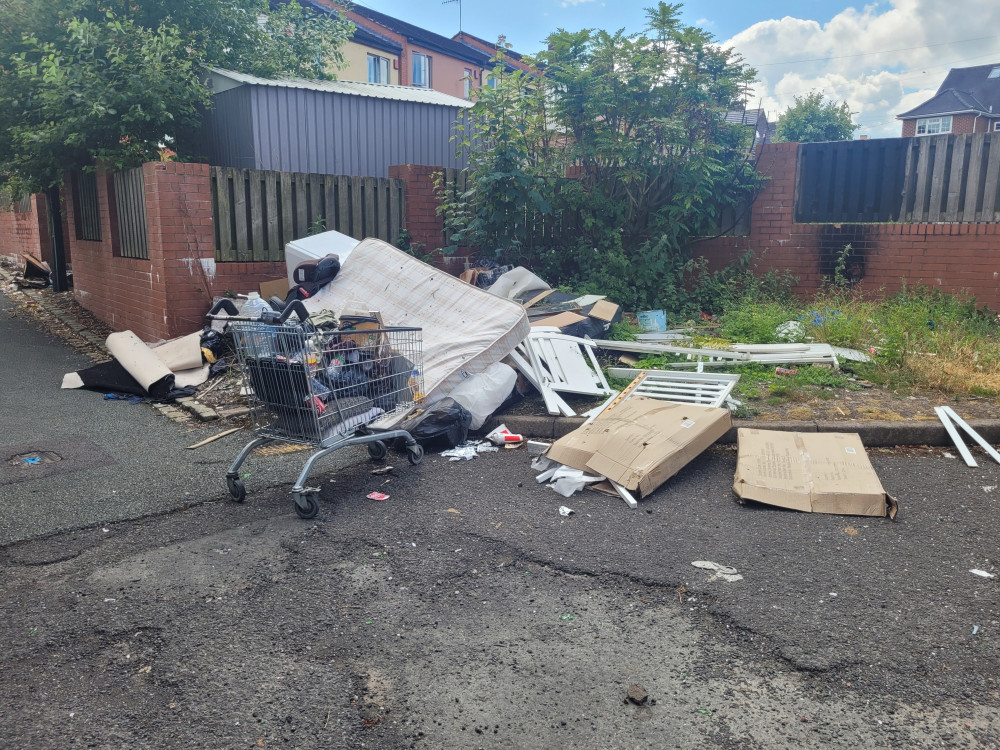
<point>882,59</point>
<point>571,3</point>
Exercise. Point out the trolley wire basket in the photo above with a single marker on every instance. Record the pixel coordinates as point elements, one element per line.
<point>311,387</point>
<point>324,388</point>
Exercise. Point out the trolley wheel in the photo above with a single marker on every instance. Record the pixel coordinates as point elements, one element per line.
<point>415,453</point>
<point>377,450</point>
<point>311,507</point>
<point>237,489</point>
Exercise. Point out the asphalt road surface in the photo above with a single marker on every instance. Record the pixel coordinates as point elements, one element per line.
<point>466,612</point>
<point>112,460</point>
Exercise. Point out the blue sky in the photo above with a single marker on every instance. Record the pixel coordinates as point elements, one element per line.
<point>882,57</point>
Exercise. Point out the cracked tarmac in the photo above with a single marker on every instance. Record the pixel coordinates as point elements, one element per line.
<point>466,612</point>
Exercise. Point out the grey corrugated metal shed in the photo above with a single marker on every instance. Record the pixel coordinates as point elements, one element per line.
<point>327,127</point>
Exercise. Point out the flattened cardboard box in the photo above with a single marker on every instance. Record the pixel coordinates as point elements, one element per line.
<point>642,442</point>
<point>812,472</point>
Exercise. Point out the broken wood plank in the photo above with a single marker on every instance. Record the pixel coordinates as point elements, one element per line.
<point>212,439</point>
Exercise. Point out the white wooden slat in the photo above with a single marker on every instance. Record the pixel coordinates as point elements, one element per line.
<point>990,450</point>
<point>554,403</point>
<point>955,437</point>
<point>562,361</point>
<point>707,389</point>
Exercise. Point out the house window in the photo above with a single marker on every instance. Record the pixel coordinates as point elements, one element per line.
<point>467,83</point>
<point>421,70</point>
<point>378,69</point>
<point>934,125</point>
<point>492,82</point>
<point>995,73</point>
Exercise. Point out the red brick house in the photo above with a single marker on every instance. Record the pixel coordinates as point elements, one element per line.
<point>968,101</point>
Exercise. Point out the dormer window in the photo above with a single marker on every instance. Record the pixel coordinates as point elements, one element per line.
<point>995,73</point>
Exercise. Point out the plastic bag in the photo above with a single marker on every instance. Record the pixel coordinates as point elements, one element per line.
<point>483,392</point>
<point>444,425</point>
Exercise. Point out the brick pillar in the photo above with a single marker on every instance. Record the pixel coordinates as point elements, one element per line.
<point>421,218</point>
<point>181,242</point>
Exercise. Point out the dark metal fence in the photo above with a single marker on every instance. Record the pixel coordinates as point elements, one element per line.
<point>130,209</point>
<point>944,178</point>
<point>86,206</point>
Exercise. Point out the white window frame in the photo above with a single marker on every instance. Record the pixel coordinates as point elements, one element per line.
<point>467,83</point>
<point>996,124</point>
<point>934,125</point>
<point>379,65</point>
<point>422,62</point>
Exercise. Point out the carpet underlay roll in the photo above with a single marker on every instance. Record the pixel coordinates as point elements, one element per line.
<point>142,370</point>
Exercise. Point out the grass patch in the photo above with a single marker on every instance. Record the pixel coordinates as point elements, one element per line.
<point>919,339</point>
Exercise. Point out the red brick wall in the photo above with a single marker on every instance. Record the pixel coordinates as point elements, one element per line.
<point>168,294</point>
<point>422,221</point>
<point>957,258</point>
<point>26,232</point>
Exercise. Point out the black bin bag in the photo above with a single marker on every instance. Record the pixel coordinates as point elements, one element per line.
<point>444,425</point>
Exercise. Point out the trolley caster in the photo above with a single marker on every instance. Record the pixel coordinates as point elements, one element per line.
<point>237,489</point>
<point>377,450</point>
<point>307,505</point>
<point>415,453</point>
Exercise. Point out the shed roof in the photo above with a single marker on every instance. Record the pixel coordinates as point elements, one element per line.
<point>963,90</point>
<point>226,79</point>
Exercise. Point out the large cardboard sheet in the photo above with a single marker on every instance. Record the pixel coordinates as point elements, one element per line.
<point>811,472</point>
<point>642,442</point>
<point>465,329</point>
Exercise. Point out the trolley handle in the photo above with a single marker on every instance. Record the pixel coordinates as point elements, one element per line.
<point>295,306</point>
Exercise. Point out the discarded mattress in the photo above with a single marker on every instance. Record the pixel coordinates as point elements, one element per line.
<point>465,329</point>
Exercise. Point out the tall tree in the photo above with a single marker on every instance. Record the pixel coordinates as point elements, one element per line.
<point>112,81</point>
<point>639,121</point>
<point>813,119</point>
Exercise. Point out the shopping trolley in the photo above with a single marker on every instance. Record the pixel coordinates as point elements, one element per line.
<point>322,388</point>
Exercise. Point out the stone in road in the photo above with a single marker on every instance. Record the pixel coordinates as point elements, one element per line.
<point>466,612</point>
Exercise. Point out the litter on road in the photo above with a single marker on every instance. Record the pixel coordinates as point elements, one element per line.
<point>212,439</point>
<point>719,572</point>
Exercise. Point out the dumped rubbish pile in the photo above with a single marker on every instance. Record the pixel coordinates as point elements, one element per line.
<point>370,346</point>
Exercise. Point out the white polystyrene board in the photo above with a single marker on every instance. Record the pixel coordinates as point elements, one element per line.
<point>464,329</point>
<point>515,282</point>
<point>316,246</point>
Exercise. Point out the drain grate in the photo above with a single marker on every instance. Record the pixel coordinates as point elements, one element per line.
<point>34,458</point>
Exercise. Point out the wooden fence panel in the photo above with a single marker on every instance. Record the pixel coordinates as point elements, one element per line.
<point>130,207</point>
<point>989,201</point>
<point>971,209</point>
<point>258,212</point>
<point>942,178</point>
